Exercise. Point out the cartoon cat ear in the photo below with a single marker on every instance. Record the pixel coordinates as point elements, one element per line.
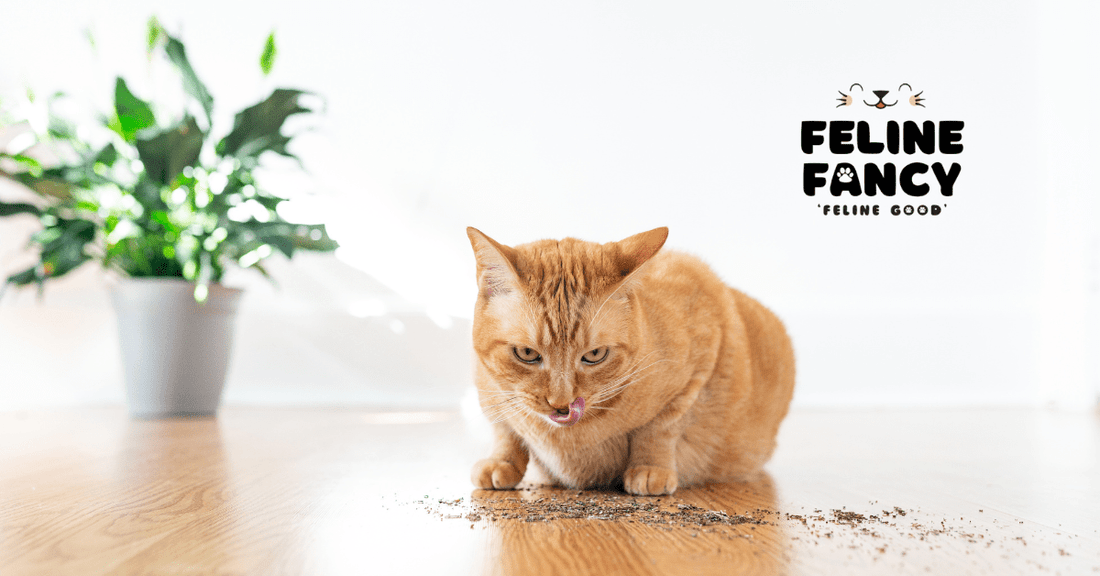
<point>496,264</point>
<point>636,250</point>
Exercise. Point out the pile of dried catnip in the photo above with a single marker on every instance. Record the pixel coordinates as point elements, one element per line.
<point>599,506</point>
<point>899,530</point>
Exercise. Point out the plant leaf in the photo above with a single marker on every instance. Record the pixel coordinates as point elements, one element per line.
<point>134,114</point>
<point>60,127</point>
<point>62,250</point>
<point>287,238</point>
<point>161,217</point>
<point>258,128</point>
<point>48,187</point>
<point>263,271</point>
<point>314,237</point>
<point>32,167</point>
<point>267,59</point>
<point>168,153</point>
<point>25,277</point>
<point>152,35</point>
<point>72,235</point>
<point>11,209</point>
<point>191,83</point>
<point>108,155</point>
<point>90,37</point>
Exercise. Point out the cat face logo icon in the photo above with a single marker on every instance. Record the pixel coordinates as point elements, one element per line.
<point>905,88</point>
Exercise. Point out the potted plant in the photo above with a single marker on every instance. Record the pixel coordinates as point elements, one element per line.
<point>152,195</point>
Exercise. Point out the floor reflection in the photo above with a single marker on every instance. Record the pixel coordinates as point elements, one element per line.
<point>716,528</point>
<point>153,450</point>
<point>173,483</point>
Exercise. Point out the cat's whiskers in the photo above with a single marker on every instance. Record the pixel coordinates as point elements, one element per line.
<point>503,410</point>
<point>506,412</point>
<point>510,399</point>
<point>630,371</point>
<point>600,309</point>
<point>503,413</point>
<point>606,408</point>
<point>497,405</point>
<point>496,395</point>
<point>502,418</point>
<point>614,389</point>
<point>544,424</point>
<point>609,394</point>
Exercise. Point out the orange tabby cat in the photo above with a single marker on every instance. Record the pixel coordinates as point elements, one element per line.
<point>620,363</point>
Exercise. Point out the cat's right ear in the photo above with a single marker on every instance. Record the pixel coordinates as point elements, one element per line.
<point>638,249</point>
<point>496,264</point>
<point>632,253</point>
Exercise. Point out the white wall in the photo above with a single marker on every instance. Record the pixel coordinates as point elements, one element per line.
<point>1070,290</point>
<point>599,120</point>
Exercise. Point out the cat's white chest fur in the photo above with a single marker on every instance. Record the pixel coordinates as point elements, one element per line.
<point>582,464</point>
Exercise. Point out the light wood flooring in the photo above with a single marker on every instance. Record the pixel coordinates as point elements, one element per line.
<point>331,492</point>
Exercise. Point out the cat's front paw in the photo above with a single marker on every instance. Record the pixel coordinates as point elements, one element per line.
<point>491,474</point>
<point>650,481</point>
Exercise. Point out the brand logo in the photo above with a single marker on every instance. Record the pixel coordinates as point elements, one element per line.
<point>903,167</point>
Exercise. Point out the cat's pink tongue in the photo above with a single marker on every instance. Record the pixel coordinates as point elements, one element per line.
<point>576,410</point>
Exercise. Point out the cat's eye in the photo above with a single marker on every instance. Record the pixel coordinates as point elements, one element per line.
<point>594,356</point>
<point>526,355</point>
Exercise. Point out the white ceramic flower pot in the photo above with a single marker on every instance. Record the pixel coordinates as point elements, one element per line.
<point>175,351</point>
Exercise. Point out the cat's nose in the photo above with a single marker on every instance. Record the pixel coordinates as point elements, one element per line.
<point>880,93</point>
<point>559,406</point>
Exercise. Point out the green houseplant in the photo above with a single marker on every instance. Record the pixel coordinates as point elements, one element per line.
<point>150,193</point>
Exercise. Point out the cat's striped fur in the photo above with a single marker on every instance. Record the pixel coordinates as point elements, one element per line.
<point>668,376</point>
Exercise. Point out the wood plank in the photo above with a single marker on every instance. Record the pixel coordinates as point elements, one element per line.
<point>266,491</point>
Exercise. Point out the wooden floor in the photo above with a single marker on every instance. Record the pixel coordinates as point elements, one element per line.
<point>262,491</point>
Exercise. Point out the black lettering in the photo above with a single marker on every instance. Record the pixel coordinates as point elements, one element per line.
<point>885,180</point>
<point>907,184</point>
<point>810,179</point>
<point>950,136</point>
<point>946,179</point>
<point>840,131</point>
<point>845,179</point>
<point>810,128</point>
<point>863,140</point>
<point>914,137</point>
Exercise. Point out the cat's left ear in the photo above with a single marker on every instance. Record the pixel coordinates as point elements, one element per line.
<point>636,250</point>
<point>496,264</point>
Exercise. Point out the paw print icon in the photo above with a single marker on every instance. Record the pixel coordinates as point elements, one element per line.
<point>843,174</point>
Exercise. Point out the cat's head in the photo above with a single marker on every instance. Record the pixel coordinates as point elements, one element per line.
<point>555,330</point>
